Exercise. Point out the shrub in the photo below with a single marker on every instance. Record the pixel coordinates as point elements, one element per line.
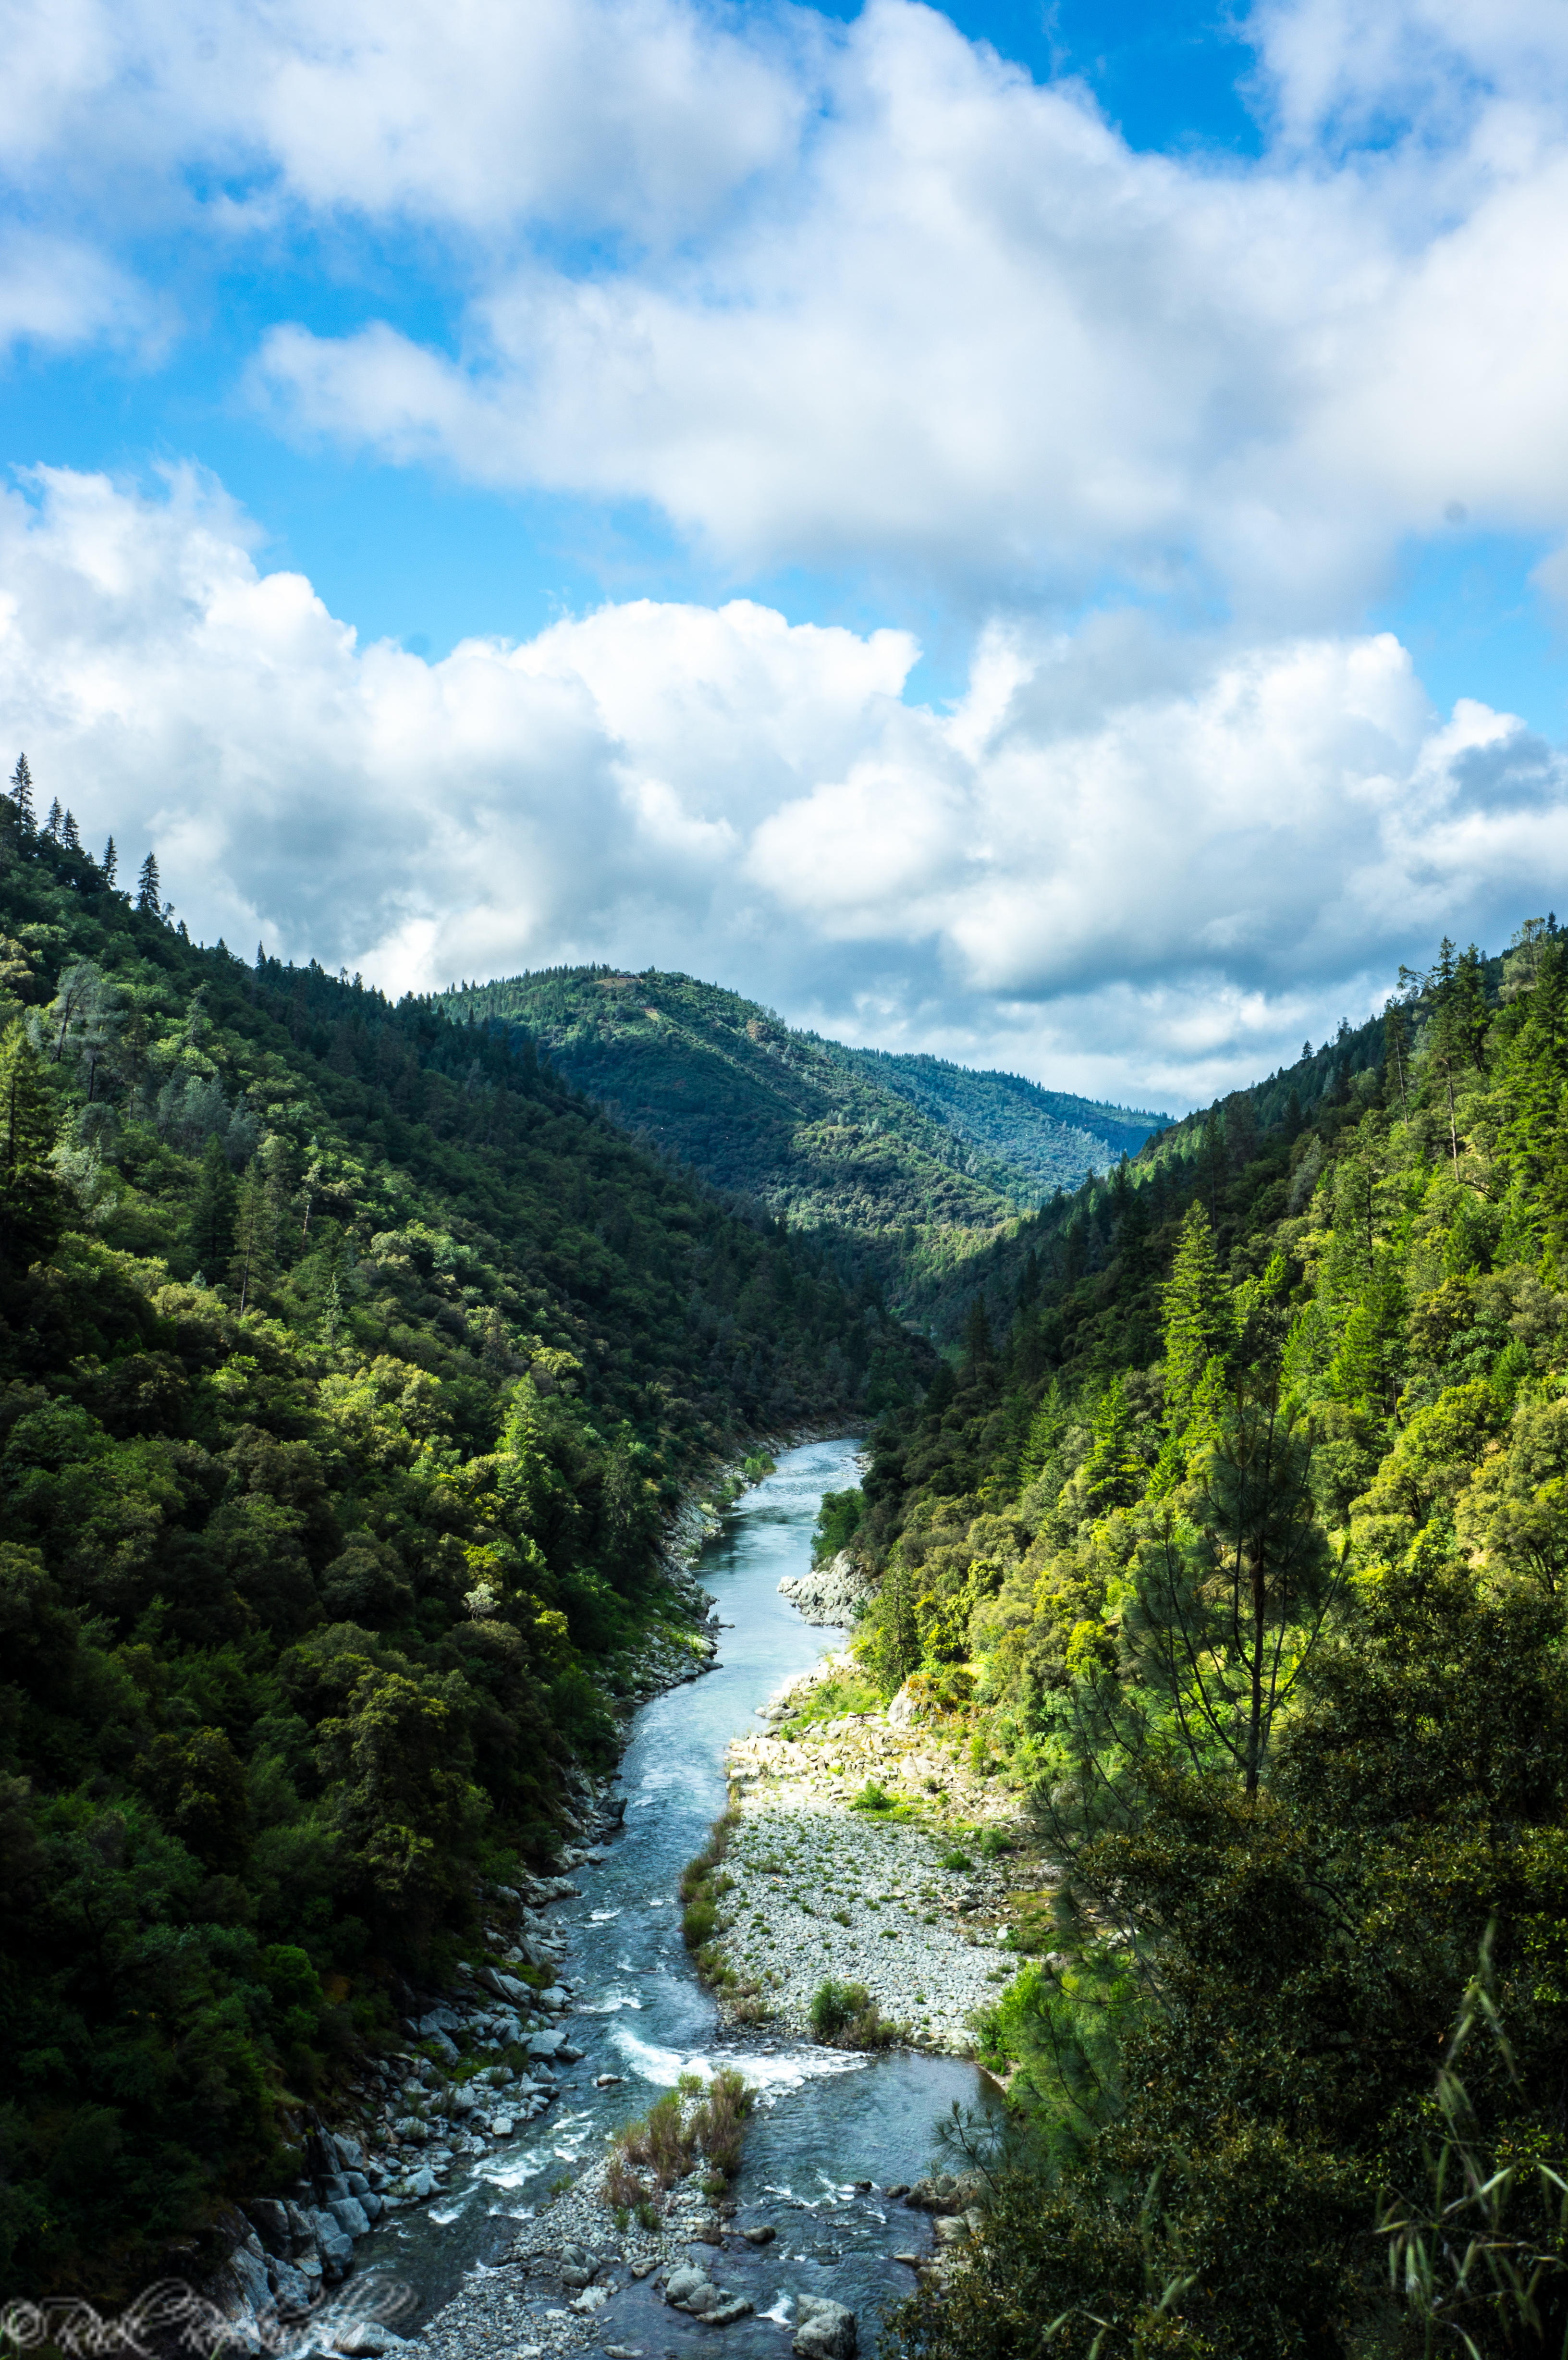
<point>845,2015</point>
<point>871,1797</point>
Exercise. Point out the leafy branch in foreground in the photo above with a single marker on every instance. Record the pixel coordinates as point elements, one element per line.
<point>1451,2257</point>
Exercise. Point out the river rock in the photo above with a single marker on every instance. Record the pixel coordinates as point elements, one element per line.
<point>293,2288</point>
<point>763,2233</point>
<point>546,2044</point>
<point>825,2329</point>
<point>269,2218</point>
<point>350,2215</point>
<point>835,1592</point>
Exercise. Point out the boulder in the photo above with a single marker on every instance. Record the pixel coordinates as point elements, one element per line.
<point>412,2129</point>
<point>503,1987</point>
<point>335,2245</point>
<point>350,2215</point>
<point>825,2329</point>
<point>294,2292</point>
<point>546,2044</point>
<point>365,2339</point>
<point>269,2218</point>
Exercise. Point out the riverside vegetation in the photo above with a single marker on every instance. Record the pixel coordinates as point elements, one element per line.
<point>351,1365</point>
<point>1235,1542</point>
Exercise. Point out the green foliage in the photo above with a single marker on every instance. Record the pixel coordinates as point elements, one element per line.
<point>838,1521</point>
<point>349,1363</point>
<point>845,2015</point>
<point>1249,1533</point>
<point>906,1165</point>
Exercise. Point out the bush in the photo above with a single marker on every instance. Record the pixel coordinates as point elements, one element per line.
<point>838,1521</point>
<point>845,2015</point>
<point>871,1797</point>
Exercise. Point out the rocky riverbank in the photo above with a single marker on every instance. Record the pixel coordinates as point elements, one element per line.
<point>917,1897</point>
<point>834,1593</point>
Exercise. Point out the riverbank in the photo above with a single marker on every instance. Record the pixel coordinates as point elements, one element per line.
<point>917,1897</point>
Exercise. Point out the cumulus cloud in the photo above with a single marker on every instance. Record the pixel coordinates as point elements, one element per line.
<point>865,293</point>
<point>961,324</point>
<point>639,114</point>
<point>1112,863</point>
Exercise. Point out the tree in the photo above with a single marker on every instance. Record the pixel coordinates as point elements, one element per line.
<point>148,889</point>
<point>28,1196</point>
<point>213,1208</point>
<point>1231,1619</point>
<point>56,820</point>
<point>1199,1318</point>
<point>111,862</point>
<point>70,834</point>
<point>22,796</point>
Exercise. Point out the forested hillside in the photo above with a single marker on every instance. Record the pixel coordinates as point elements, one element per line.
<point>1239,1544</point>
<point>350,1363</point>
<point>873,1147</point>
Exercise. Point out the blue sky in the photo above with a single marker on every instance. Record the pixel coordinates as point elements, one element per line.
<point>1034,533</point>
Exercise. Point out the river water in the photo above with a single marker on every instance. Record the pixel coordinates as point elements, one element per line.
<point>824,2119</point>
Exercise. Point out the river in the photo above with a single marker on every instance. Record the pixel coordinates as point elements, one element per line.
<point>824,2119</point>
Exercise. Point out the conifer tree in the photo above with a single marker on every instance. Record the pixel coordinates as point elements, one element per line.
<point>29,1198</point>
<point>111,862</point>
<point>212,1211</point>
<point>22,796</point>
<point>148,889</point>
<point>1199,1319</point>
<point>70,834</point>
<point>53,826</point>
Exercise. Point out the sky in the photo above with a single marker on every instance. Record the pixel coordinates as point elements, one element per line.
<point>1037,533</point>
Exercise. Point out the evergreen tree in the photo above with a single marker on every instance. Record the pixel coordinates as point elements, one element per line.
<point>1199,1319</point>
<point>28,1196</point>
<point>111,862</point>
<point>70,834</point>
<point>212,1209</point>
<point>55,821</point>
<point>22,796</point>
<point>148,889</point>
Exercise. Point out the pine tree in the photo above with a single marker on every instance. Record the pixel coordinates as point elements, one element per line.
<point>29,1205</point>
<point>22,796</point>
<point>212,1212</point>
<point>111,862</point>
<point>70,834</point>
<point>1199,1318</point>
<point>148,889</point>
<point>51,827</point>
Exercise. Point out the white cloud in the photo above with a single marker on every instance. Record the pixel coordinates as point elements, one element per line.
<point>961,326</point>
<point>640,114</point>
<point>1117,865</point>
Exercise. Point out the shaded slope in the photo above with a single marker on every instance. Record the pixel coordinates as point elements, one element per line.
<point>868,1144</point>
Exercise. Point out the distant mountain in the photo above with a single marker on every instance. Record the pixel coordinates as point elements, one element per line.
<point>850,1139</point>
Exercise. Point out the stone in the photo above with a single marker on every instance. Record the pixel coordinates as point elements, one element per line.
<point>825,2329</point>
<point>592,2299</point>
<point>365,2339</point>
<point>951,2231</point>
<point>507,1987</point>
<point>762,2234</point>
<point>568,2055</point>
<point>336,2247</point>
<point>292,2288</point>
<point>555,1999</point>
<point>412,2129</point>
<point>608,2081</point>
<point>643,2269</point>
<point>269,2218</point>
<point>350,2215</point>
<point>546,2044</point>
<point>502,2125</point>
<point>248,2265</point>
<point>422,2183</point>
<point>684,2282</point>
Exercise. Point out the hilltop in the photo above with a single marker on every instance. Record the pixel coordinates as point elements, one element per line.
<point>855,1140</point>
